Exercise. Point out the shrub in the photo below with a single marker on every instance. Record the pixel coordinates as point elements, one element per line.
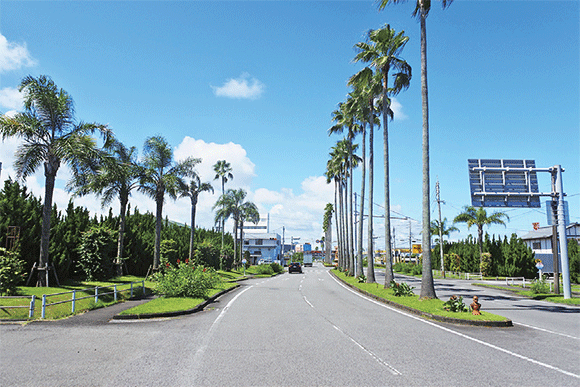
<point>455,304</point>
<point>540,287</point>
<point>485,264</point>
<point>417,269</point>
<point>96,253</point>
<point>362,278</point>
<point>277,267</point>
<point>264,269</point>
<point>11,271</point>
<point>401,289</point>
<point>227,258</point>
<point>186,280</point>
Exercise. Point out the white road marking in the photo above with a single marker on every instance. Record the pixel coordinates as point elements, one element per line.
<point>460,334</point>
<point>546,330</point>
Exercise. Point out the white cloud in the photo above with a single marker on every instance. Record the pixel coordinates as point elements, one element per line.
<point>243,87</point>
<point>398,110</point>
<point>13,55</point>
<point>11,98</point>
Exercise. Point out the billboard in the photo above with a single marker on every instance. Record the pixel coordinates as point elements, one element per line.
<point>503,183</point>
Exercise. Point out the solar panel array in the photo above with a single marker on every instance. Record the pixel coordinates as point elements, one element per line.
<point>503,183</point>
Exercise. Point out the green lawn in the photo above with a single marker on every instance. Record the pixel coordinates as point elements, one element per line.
<point>64,306</point>
<point>528,293</point>
<point>173,304</point>
<point>432,306</point>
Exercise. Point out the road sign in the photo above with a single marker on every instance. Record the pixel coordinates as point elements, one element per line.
<point>503,183</point>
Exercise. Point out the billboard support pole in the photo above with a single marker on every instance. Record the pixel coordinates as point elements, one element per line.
<point>562,233</point>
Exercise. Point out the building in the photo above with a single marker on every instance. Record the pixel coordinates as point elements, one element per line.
<point>261,243</point>
<point>540,241</point>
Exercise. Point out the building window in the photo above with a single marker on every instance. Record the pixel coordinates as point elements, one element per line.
<point>536,245</point>
<point>258,241</point>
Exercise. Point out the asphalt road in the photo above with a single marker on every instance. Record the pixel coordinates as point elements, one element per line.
<point>290,330</point>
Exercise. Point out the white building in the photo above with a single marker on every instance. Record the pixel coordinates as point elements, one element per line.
<point>261,243</point>
<point>540,241</point>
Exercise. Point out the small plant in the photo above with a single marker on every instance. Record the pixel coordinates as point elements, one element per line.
<point>11,271</point>
<point>362,278</point>
<point>455,304</point>
<point>540,287</point>
<point>401,289</point>
<point>186,280</point>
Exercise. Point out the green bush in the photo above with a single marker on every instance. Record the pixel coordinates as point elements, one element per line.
<point>186,280</point>
<point>416,269</point>
<point>227,258</point>
<point>485,264</point>
<point>539,287</point>
<point>401,289</point>
<point>362,278</point>
<point>96,253</point>
<point>264,269</point>
<point>276,267</point>
<point>455,304</point>
<point>11,271</point>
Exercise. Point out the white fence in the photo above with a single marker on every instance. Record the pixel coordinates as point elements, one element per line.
<point>73,299</point>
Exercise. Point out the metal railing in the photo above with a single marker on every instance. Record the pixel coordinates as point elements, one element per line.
<point>74,297</point>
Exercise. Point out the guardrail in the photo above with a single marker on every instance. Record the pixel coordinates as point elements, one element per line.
<point>511,280</point>
<point>468,276</point>
<point>74,297</point>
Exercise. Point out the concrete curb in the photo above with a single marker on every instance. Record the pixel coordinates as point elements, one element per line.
<point>176,313</point>
<point>451,320</point>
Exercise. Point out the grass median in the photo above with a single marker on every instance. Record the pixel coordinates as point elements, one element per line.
<point>551,297</point>
<point>432,307</point>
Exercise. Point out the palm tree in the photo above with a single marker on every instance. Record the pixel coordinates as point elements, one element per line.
<point>369,87</point>
<point>382,51</point>
<point>161,175</point>
<point>229,205</point>
<point>333,174</point>
<point>443,230</point>
<point>421,11</point>
<point>192,191</point>
<point>223,171</point>
<point>336,172</point>
<point>115,178</point>
<point>51,136</point>
<point>248,212</point>
<point>479,218</point>
<point>327,228</point>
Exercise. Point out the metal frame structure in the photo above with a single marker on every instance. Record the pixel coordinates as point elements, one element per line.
<point>514,183</point>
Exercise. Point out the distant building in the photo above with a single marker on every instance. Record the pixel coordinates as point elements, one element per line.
<point>540,241</point>
<point>261,243</point>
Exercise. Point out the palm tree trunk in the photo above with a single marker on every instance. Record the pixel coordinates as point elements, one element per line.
<point>235,242</point>
<point>121,237</point>
<point>50,176</point>
<point>192,233</point>
<point>223,220</point>
<point>359,266</point>
<point>351,220</point>
<point>388,254</point>
<point>427,286</point>
<point>336,217</point>
<point>371,257</point>
<point>158,220</point>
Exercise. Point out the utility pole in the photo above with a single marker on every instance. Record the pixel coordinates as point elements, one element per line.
<point>437,192</point>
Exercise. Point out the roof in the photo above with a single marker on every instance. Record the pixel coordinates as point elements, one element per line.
<point>546,232</point>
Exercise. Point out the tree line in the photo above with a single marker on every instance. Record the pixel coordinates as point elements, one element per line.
<point>51,136</point>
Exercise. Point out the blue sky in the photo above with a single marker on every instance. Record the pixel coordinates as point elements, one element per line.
<point>255,83</point>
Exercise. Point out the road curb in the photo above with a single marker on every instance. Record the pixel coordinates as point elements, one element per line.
<point>176,313</point>
<point>451,320</point>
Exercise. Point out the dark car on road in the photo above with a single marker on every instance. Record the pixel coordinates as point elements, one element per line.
<point>294,267</point>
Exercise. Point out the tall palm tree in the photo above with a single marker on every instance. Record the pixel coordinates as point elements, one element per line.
<point>161,175</point>
<point>115,178</point>
<point>51,136</point>
<point>333,174</point>
<point>441,230</point>
<point>382,50</point>
<point>421,11</point>
<point>344,119</point>
<point>229,205</point>
<point>479,218</point>
<point>336,171</point>
<point>223,171</point>
<point>248,212</point>
<point>192,191</point>
<point>368,86</point>
<point>327,228</point>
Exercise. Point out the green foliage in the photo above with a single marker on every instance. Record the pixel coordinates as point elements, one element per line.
<point>96,250</point>
<point>540,287</point>
<point>276,267</point>
<point>11,271</point>
<point>485,265</point>
<point>19,208</point>
<point>455,304</point>
<point>264,269</point>
<point>227,258</point>
<point>452,262</point>
<point>408,268</point>
<point>574,260</point>
<point>168,251</point>
<point>186,280</point>
<point>207,255</point>
<point>362,278</point>
<point>402,289</point>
